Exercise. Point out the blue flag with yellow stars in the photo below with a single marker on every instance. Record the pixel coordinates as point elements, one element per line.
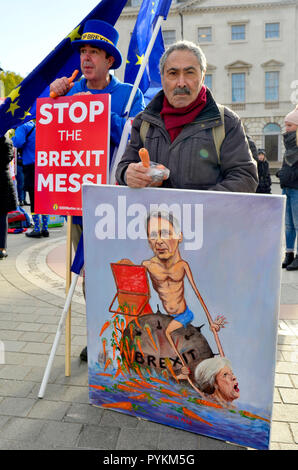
<point>20,105</point>
<point>149,12</point>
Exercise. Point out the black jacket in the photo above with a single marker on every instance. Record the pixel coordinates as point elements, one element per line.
<point>264,177</point>
<point>288,174</point>
<point>8,200</point>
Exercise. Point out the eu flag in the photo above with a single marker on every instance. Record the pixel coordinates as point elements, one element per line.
<point>149,12</point>
<point>19,106</point>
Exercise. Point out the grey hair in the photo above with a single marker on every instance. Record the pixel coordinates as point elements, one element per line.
<point>207,370</point>
<point>184,46</point>
<point>168,216</point>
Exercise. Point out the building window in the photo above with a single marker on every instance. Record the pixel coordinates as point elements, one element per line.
<point>208,80</point>
<point>169,37</point>
<point>238,32</point>
<point>205,34</point>
<point>272,30</point>
<point>271,86</point>
<point>272,141</point>
<point>272,128</point>
<point>238,87</point>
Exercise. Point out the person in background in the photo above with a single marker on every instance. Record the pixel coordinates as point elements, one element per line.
<point>24,139</point>
<point>20,180</point>
<point>8,198</point>
<point>263,173</point>
<point>252,147</point>
<point>288,177</point>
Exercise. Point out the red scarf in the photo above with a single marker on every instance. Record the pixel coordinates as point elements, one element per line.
<point>176,118</point>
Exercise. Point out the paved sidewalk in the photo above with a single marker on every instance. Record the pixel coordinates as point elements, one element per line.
<point>31,301</point>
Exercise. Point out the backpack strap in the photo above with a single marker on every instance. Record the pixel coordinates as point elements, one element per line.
<point>143,130</point>
<point>31,130</point>
<point>218,132</point>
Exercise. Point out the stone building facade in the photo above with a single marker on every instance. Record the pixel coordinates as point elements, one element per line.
<point>252,54</point>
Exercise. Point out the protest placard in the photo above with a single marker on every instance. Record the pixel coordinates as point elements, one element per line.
<point>72,148</point>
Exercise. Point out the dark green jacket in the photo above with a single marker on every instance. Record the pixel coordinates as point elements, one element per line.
<point>192,157</point>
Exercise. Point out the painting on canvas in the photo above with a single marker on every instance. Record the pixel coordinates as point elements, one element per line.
<point>182,297</point>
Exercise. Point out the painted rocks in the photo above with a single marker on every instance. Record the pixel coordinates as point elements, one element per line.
<point>146,340</point>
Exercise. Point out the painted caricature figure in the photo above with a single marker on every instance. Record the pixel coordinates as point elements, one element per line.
<point>167,271</point>
<point>215,378</point>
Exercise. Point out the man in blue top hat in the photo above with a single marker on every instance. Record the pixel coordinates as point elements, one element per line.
<point>99,55</point>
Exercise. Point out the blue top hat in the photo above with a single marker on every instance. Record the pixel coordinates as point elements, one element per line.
<point>100,34</point>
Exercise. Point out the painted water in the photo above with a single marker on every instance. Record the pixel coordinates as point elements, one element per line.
<point>154,398</point>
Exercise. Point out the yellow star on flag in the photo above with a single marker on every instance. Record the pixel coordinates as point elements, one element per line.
<point>14,94</point>
<point>26,113</point>
<point>74,34</point>
<point>140,59</point>
<point>12,108</point>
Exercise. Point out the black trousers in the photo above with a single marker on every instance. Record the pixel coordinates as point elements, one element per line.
<point>3,230</point>
<point>29,174</point>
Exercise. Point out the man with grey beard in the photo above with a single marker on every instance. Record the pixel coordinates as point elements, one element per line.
<point>203,144</point>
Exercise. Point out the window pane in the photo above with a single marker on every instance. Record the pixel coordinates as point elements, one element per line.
<point>238,32</point>
<point>272,30</point>
<point>271,86</point>
<point>238,87</point>
<point>208,81</point>
<point>272,128</point>
<point>205,34</point>
<point>169,37</point>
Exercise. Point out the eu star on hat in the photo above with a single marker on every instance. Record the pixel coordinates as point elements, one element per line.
<point>102,35</point>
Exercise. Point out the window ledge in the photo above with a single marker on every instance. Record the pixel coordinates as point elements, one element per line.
<point>206,43</point>
<point>272,39</point>
<point>238,41</point>
<point>238,106</point>
<point>271,104</point>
